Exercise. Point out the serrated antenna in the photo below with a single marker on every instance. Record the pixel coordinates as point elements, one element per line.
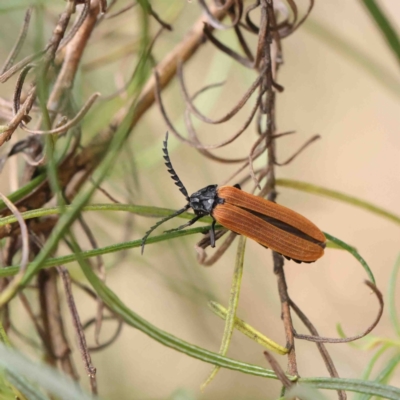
<point>171,170</point>
<point>176,213</point>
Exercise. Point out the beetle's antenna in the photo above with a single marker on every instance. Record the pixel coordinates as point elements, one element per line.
<point>171,170</point>
<point>176,213</point>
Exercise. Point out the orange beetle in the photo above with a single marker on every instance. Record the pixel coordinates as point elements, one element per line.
<point>270,224</point>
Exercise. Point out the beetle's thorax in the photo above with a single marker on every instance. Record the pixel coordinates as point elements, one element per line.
<point>204,200</point>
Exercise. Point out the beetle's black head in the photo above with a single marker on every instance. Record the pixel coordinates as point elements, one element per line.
<point>204,200</point>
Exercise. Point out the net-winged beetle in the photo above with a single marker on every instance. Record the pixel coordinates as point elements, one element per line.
<point>271,225</point>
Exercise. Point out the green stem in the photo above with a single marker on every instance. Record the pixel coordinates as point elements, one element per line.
<point>333,194</point>
<point>385,26</point>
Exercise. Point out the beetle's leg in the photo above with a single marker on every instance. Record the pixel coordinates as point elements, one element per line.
<point>173,215</point>
<point>191,222</point>
<point>212,233</point>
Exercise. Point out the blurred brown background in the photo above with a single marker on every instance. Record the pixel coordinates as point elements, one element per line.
<point>348,92</point>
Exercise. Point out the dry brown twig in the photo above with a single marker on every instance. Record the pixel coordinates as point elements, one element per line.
<point>84,351</point>
<point>278,370</point>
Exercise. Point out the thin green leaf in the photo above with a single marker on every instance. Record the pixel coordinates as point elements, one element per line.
<point>354,385</point>
<point>138,210</point>
<point>232,307</point>
<point>388,370</point>
<point>333,194</point>
<point>331,245</point>
<point>354,253</point>
<point>367,372</point>
<point>51,262</point>
<point>393,282</point>
<point>29,391</point>
<point>248,330</point>
<point>385,26</point>
<point>48,378</point>
<point>24,190</point>
<point>385,374</point>
<point>18,385</point>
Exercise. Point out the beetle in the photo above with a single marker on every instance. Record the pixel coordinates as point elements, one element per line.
<point>269,224</point>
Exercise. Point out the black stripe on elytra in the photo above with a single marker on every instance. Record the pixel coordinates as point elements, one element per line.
<point>285,227</point>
